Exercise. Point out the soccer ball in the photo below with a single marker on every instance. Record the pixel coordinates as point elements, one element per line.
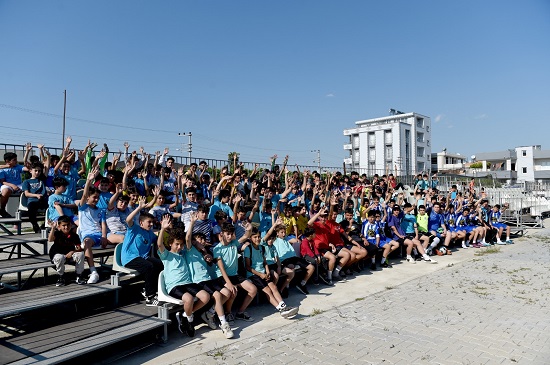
<point>443,250</point>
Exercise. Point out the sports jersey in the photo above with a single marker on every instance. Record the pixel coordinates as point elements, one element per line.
<point>370,231</point>
<point>256,257</point>
<point>137,243</point>
<point>90,219</point>
<point>176,270</point>
<point>229,256</point>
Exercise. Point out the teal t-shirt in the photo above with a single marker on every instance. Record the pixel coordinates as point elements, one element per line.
<point>256,257</point>
<point>137,243</point>
<point>284,249</point>
<point>176,271</point>
<point>197,266</point>
<point>270,253</point>
<point>229,255</point>
<point>407,224</point>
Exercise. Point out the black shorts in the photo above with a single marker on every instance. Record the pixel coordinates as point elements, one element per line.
<point>322,251</point>
<point>372,249</point>
<point>410,236</point>
<point>179,290</point>
<point>258,281</point>
<point>310,260</point>
<point>273,267</point>
<point>401,241</point>
<point>213,285</point>
<point>349,246</point>
<point>236,279</point>
<point>338,249</point>
<point>296,261</point>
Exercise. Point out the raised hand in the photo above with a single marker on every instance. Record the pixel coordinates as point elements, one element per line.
<point>126,145</point>
<point>166,150</point>
<point>166,220</point>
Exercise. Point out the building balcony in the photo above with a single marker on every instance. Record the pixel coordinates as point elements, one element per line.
<point>348,161</point>
<point>348,146</point>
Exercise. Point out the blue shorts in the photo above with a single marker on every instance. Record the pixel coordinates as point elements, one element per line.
<point>383,241</point>
<point>96,237</point>
<point>500,225</point>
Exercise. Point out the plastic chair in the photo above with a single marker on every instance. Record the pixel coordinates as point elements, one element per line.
<point>162,294</point>
<point>117,262</point>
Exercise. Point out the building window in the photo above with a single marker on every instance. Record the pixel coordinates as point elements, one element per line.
<point>389,153</point>
<point>372,139</point>
<point>524,170</point>
<point>356,156</point>
<point>419,122</point>
<point>419,167</point>
<point>419,151</point>
<point>428,128</point>
<point>355,140</point>
<point>428,143</point>
<point>419,137</point>
<point>388,137</point>
<point>372,154</point>
<point>524,152</point>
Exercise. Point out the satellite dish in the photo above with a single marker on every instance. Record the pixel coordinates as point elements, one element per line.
<point>473,157</point>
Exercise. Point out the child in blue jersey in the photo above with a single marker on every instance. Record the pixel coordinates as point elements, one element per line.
<point>92,226</point>
<point>177,277</point>
<point>464,227</point>
<point>274,261</point>
<point>494,218</point>
<point>60,204</point>
<point>10,180</point>
<point>289,259</point>
<point>410,227</point>
<point>371,236</point>
<point>436,226</point>
<point>389,245</point>
<point>200,263</point>
<point>136,251</point>
<point>204,225</point>
<point>35,193</point>
<point>104,193</point>
<point>258,273</point>
<point>226,255</point>
<point>450,221</point>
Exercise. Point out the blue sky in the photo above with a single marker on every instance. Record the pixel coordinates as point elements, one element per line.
<point>281,77</point>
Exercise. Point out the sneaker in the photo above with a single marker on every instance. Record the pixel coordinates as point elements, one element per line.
<point>243,317</point>
<point>60,281</point>
<point>373,266</point>
<point>429,251</point>
<point>151,301</point>
<point>510,242</point>
<point>430,260</point>
<point>230,318</point>
<point>80,281</point>
<point>411,260</point>
<point>288,312</point>
<point>501,243</point>
<point>302,289</point>
<point>348,272</point>
<point>143,293</point>
<point>208,318</point>
<point>182,322</point>
<point>438,253</point>
<point>386,264</point>
<point>226,329</point>
<point>5,214</point>
<point>448,251</point>
<point>330,283</point>
<point>464,245</point>
<point>94,277</point>
<point>324,279</point>
<point>485,244</point>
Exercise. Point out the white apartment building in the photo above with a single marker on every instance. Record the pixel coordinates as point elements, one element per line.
<point>400,141</point>
<point>521,164</point>
<point>447,161</point>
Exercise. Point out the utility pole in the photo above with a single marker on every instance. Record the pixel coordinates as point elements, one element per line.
<point>189,144</point>
<point>318,159</point>
<point>64,112</point>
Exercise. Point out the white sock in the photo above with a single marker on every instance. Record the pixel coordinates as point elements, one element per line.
<point>281,305</point>
<point>409,257</point>
<point>426,257</point>
<point>92,269</point>
<point>507,238</point>
<point>383,260</point>
<point>222,319</point>
<point>435,242</point>
<point>373,260</point>
<point>329,275</point>
<point>189,318</point>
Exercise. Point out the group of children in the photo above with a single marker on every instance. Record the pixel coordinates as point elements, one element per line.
<point>222,239</point>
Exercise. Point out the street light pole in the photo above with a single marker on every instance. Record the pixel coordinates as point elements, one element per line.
<point>64,112</point>
<point>318,159</point>
<point>189,144</point>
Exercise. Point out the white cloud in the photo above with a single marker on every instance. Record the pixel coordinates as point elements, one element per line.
<point>438,118</point>
<point>481,116</point>
<point>331,95</point>
<point>449,126</point>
